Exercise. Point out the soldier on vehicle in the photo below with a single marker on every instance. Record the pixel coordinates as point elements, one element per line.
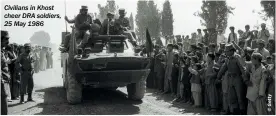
<point>122,20</point>
<point>26,62</point>
<point>5,76</point>
<point>108,25</point>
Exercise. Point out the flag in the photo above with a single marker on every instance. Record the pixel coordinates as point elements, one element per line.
<point>149,45</point>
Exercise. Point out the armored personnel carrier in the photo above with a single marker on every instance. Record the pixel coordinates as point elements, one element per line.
<point>112,61</point>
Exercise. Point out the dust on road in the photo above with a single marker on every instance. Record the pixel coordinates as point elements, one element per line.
<point>50,99</point>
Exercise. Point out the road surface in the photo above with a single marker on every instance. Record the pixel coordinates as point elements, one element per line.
<point>50,99</point>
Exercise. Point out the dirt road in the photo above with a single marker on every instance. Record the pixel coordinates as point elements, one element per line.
<point>50,99</point>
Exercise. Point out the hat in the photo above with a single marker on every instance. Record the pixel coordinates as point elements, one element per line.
<point>257,55</point>
<point>27,45</point>
<point>200,44</point>
<point>84,7</point>
<point>198,29</point>
<point>260,41</point>
<point>122,10</point>
<point>229,47</point>
<point>212,45</point>
<point>5,34</point>
<point>222,43</point>
<point>231,27</point>
<point>110,13</point>
<point>263,24</point>
<point>170,45</point>
<point>220,30</point>
<point>193,46</point>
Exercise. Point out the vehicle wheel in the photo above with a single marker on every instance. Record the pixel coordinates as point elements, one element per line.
<point>74,90</point>
<point>136,91</point>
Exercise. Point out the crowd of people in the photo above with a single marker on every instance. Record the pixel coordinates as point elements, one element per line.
<point>234,75</point>
<point>18,64</point>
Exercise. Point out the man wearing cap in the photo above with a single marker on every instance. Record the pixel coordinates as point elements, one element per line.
<point>261,49</point>
<point>235,73</point>
<point>82,23</point>
<point>256,87</point>
<point>122,20</point>
<point>5,76</point>
<point>247,34</point>
<point>108,25</point>
<point>220,38</point>
<point>232,36</point>
<point>26,62</point>
<point>264,33</point>
<point>199,36</point>
<point>206,37</point>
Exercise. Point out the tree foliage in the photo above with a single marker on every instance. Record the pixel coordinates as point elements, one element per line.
<point>214,14</point>
<point>149,17</point>
<point>167,19</point>
<point>131,21</point>
<point>41,38</point>
<point>269,8</point>
<point>109,7</point>
<point>153,20</point>
<point>141,20</point>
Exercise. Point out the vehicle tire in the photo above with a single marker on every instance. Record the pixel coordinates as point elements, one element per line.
<point>74,90</point>
<point>136,91</point>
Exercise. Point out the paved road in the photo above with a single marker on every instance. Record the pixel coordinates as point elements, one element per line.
<point>50,99</point>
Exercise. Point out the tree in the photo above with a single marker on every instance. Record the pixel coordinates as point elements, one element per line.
<point>153,20</point>
<point>214,14</point>
<point>131,21</point>
<point>269,9</point>
<point>109,7</point>
<point>41,38</point>
<point>167,20</point>
<point>141,20</point>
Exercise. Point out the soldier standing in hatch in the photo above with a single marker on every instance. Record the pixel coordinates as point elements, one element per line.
<point>5,76</point>
<point>26,61</point>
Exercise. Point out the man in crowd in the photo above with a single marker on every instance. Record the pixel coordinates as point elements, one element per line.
<point>221,38</point>
<point>264,33</point>
<point>232,36</point>
<point>199,36</point>
<point>206,37</point>
<point>261,49</point>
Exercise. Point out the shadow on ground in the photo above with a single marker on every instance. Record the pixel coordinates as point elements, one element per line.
<point>95,101</point>
<point>184,107</point>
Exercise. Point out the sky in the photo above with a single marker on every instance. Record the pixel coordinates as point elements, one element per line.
<point>184,21</point>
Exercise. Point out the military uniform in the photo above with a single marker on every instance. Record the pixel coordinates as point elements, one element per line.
<point>122,20</point>
<point>235,73</point>
<point>5,76</point>
<point>26,61</point>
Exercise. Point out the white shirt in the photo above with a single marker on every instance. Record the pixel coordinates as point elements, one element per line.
<point>199,38</point>
<point>221,39</point>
